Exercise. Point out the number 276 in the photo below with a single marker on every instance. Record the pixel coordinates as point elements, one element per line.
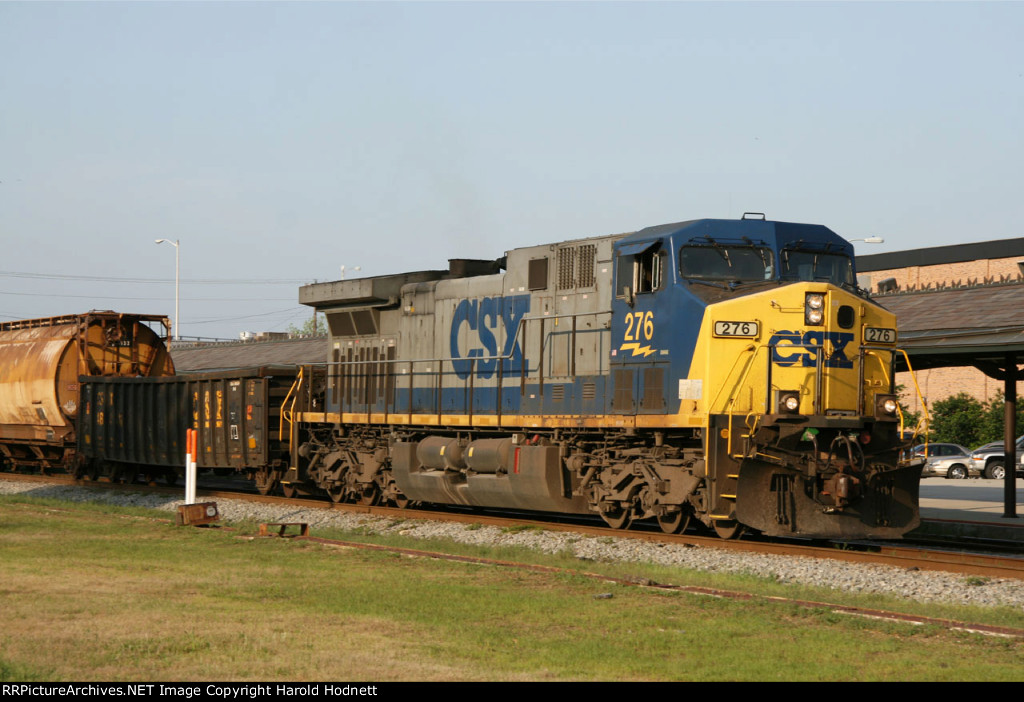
<point>638,323</point>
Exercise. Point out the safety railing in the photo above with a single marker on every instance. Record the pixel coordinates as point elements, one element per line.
<point>374,385</point>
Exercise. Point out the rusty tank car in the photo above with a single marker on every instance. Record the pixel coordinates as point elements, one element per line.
<point>41,363</point>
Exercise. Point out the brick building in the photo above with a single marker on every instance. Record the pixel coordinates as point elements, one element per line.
<point>969,296</point>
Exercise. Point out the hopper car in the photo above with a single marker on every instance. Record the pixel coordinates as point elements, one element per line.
<point>42,363</point>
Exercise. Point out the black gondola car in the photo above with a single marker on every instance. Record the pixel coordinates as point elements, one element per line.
<point>137,425</point>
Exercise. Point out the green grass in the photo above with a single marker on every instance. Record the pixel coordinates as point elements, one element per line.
<point>94,592</point>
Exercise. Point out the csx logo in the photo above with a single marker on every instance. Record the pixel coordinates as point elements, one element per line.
<point>791,348</point>
<point>485,316</point>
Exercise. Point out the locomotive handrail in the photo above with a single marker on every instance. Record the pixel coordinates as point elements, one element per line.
<point>920,397</point>
<point>520,335</point>
<point>731,403</point>
<point>507,356</point>
<point>288,411</point>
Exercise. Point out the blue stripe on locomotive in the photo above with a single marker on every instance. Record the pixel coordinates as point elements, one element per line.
<point>556,398</point>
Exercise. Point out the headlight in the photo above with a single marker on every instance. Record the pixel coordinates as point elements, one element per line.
<point>886,407</point>
<point>789,402</point>
<point>814,309</point>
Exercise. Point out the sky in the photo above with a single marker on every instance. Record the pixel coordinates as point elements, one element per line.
<point>280,141</point>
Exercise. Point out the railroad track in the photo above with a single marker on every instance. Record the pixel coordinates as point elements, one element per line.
<point>965,562</point>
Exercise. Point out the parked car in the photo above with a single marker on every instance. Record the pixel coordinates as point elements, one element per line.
<point>989,459</point>
<point>946,461</point>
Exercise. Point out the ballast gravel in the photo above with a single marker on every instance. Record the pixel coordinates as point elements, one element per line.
<point>919,585</point>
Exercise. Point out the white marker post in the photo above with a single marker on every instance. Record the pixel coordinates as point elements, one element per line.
<point>190,467</point>
<point>191,512</point>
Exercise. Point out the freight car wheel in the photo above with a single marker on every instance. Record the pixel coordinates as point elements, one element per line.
<point>289,490</point>
<point>171,477</point>
<point>675,523</point>
<point>728,528</point>
<point>266,480</point>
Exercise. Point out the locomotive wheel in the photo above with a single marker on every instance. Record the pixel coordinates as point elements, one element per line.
<point>369,496</point>
<point>728,528</point>
<point>618,519</point>
<point>401,502</point>
<point>336,491</point>
<point>289,490</point>
<point>675,523</point>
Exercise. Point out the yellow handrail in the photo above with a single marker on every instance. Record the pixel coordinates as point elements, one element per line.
<point>731,402</point>
<point>288,410</point>
<point>926,418</point>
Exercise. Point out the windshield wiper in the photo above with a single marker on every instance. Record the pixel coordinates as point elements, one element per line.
<point>712,283</point>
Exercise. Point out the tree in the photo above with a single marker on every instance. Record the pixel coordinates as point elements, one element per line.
<point>958,420</point>
<point>313,326</point>
<point>994,419</point>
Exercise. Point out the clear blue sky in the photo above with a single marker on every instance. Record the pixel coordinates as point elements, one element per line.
<point>281,140</point>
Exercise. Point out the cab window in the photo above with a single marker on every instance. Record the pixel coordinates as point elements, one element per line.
<point>726,263</point>
<point>640,273</point>
<point>798,264</point>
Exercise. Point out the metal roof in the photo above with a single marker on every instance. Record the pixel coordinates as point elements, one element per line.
<point>245,354</point>
<point>938,255</point>
<point>968,326</point>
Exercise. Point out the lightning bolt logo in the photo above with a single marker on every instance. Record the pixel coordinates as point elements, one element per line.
<point>637,349</point>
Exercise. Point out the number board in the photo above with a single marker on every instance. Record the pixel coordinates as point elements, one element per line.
<point>878,335</point>
<point>750,329</point>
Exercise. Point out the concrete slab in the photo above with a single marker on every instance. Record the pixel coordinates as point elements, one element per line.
<point>970,508</point>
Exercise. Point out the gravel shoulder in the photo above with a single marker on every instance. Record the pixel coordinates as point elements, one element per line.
<point>917,585</point>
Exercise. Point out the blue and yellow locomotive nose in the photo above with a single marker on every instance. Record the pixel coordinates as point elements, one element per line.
<point>801,350</point>
<point>805,416</point>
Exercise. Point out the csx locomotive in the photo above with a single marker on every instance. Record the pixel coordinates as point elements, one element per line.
<point>727,372</point>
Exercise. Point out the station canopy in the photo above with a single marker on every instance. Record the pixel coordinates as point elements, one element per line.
<point>960,326</point>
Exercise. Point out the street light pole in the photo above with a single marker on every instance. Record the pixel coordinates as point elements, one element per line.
<point>177,279</point>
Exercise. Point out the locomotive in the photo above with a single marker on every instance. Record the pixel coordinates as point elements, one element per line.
<point>726,372</point>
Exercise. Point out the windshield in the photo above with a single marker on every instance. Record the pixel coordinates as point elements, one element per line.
<point>817,265</point>
<point>730,263</point>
